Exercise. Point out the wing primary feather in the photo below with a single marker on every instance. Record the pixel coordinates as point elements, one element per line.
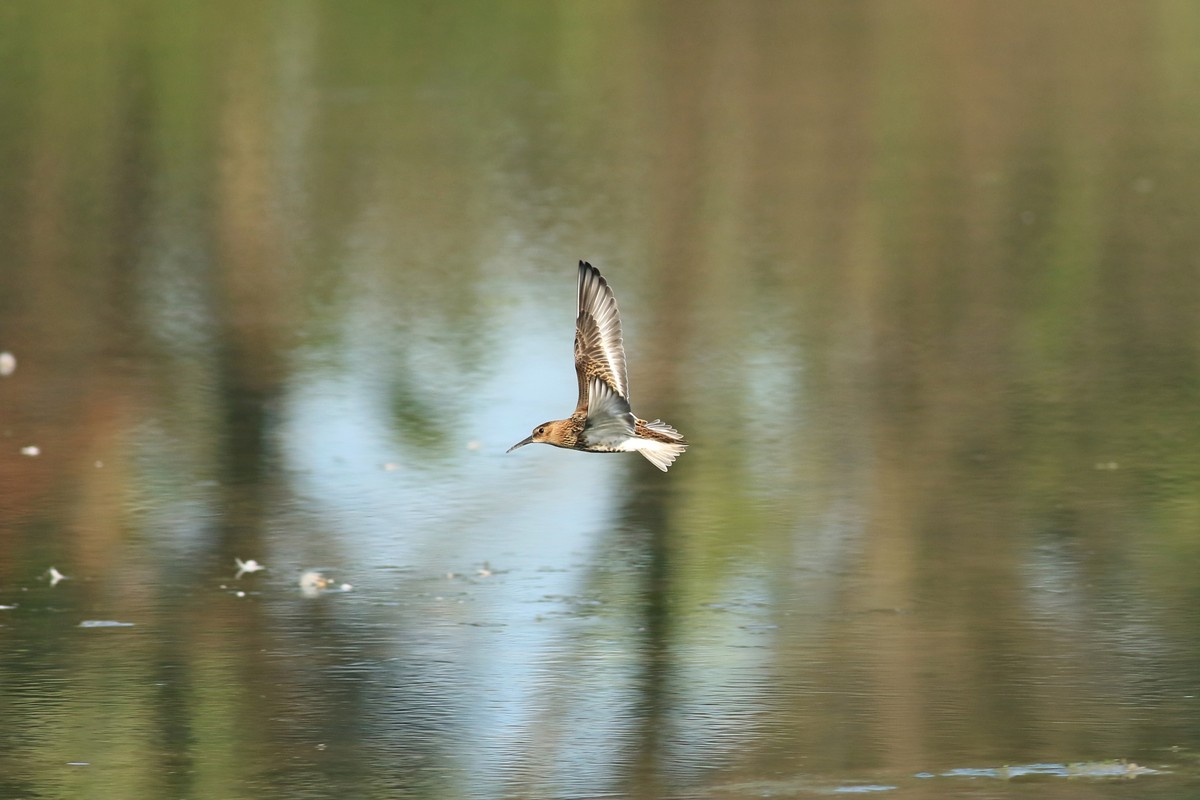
<point>599,350</point>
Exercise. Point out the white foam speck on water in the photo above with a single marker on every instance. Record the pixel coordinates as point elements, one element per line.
<point>249,565</point>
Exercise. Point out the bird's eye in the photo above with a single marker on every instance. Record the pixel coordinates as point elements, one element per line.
<point>541,430</point>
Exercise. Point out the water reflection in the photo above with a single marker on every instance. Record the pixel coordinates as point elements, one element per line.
<point>281,283</point>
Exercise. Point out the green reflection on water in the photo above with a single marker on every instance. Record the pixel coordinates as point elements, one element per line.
<point>284,280</point>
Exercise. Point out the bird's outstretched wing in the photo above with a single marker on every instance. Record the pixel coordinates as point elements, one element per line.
<point>610,423</point>
<point>599,352</point>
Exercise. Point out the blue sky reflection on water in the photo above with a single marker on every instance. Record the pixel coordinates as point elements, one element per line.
<point>526,521</point>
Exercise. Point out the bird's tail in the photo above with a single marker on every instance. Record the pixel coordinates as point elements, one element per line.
<point>666,444</point>
<point>661,454</point>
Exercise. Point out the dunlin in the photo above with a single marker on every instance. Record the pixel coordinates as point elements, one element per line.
<point>603,421</point>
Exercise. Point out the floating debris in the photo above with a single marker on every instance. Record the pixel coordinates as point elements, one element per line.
<point>247,566</point>
<point>313,583</point>
<point>862,788</point>
<point>1087,769</point>
<point>8,364</point>
<point>31,450</point>
<point>104,623</point>
<point>6,608</point>
<point>55,576</point>
<point>314,580</point>
<point>391,466</point>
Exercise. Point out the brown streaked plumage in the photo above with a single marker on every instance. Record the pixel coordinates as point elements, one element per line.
<point>602,421</point>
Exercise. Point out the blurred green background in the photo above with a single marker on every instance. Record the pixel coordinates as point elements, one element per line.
<point>283,280</point>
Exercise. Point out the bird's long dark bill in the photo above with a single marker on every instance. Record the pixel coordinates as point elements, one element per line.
<point>522,443</point>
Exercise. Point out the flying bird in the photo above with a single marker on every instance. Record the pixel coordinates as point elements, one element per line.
<point>602,421</point>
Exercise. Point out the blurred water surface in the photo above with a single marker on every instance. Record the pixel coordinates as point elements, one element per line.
<point>283,281</point>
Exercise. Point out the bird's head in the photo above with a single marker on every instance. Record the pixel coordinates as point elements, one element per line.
<point>545,433</point>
